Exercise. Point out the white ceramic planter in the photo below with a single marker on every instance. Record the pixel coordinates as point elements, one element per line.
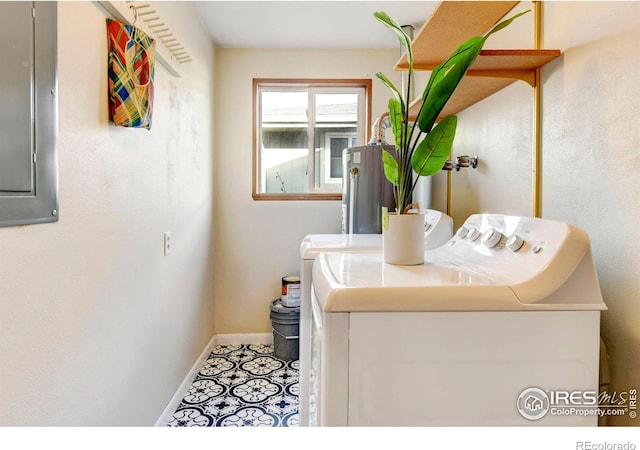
<point>403,239</point>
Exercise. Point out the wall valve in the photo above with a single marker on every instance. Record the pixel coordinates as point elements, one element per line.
<point>460,162</point>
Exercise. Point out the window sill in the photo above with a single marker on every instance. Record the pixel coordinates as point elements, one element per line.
<point>300,196</point>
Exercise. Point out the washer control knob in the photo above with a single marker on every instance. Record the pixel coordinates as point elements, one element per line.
<point>491,237</point>
<point>462,232</point>
<point>474,234</point>
<point>514,243</point>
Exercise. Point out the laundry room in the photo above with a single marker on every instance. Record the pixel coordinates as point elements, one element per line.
<point>140,289</point>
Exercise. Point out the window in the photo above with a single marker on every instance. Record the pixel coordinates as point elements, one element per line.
<point>301,128</point>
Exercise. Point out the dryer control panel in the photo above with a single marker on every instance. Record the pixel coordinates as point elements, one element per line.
<point>438,228</point>
<point>517,251</point>
<point>495,243</point>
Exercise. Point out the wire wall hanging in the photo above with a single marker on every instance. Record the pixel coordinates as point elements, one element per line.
<point>170,52</point>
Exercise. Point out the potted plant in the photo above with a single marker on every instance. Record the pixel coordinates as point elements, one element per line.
<point>422,146</point>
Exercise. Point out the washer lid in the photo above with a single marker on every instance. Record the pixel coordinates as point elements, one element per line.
<point>363,282</point>
<point>345,282</point>
<point>313,244</point>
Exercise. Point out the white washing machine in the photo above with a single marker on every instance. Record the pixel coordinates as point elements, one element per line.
<point>438,230</point>
<point>499,327</point>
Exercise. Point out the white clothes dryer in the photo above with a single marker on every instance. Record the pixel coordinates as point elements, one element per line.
<point>438,230</point>
<point>499,327</point>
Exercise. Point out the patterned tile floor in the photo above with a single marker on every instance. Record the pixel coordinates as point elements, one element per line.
<point>241,386</point>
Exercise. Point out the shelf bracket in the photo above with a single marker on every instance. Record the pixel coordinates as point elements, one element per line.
<point>527,76</point>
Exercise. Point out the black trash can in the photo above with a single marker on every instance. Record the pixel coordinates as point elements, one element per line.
<point>285,322</point>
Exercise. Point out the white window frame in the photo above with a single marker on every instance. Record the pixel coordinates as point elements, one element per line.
<point>313,87</point>
<point>327,159</point>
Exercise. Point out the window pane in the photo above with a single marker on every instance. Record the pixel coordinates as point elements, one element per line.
<point>336,124</point>
<point>284,151</point>
<point>301,128</point>
<point>337,145</point>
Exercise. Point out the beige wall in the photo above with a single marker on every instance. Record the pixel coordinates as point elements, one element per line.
<point>97,327</point>
<point>258,242</point>
<point>590,155</point>
<point>591,160</point>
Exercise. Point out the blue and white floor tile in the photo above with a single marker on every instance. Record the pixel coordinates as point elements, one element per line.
<point>241,386</point>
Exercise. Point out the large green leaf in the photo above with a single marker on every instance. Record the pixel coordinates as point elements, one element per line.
<point>461,53</point>
<point>391,86</point>
<point>445,79</point>
<point>404,39</point>
<point>395,117</point>
<point>390,167</point>
<point>504,24</point>
<point>434,150</point>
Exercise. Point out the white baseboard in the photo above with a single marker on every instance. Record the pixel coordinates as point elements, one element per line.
<point>219,339</point>
<point>184,386</point>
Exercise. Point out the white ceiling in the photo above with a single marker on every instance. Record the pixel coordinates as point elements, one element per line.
<point>325,24</point>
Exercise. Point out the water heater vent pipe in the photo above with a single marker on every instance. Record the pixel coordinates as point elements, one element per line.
<point>381,124</point>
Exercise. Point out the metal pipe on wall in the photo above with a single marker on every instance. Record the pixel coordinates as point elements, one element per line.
<point>537,119</point>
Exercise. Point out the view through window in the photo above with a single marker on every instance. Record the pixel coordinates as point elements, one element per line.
<point>302,127</point>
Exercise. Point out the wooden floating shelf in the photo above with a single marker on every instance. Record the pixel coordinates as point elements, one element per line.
<point>451,24</point>
<point>499,60</point>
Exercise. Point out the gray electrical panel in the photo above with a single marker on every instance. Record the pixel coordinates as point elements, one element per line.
<point>28,113</point>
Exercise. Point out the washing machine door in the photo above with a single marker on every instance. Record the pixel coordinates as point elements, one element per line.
<point>315,369</point>
<point>329,374</point>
